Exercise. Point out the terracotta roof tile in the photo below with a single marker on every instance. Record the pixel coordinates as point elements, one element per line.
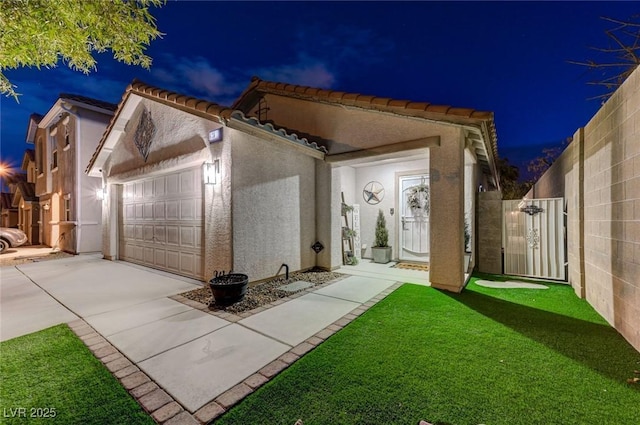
<point>463,112</point>
<point>419,106</point>
<point>364,99</point>
<point>398,103</point>
<point>380,101</point>
<point>441,109</point>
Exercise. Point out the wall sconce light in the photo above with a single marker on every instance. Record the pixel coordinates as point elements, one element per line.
<point>211,172</point>
<point>46,206</point>
<point>101,193</point>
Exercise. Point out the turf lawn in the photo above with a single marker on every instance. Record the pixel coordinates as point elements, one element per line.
<point>486,356</point>
<point>52,373</point>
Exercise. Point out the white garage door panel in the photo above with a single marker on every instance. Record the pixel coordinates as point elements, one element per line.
<point>162,223</point>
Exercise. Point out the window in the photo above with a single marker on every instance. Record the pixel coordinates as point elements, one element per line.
<point>54,148</point>
<point>40,156</point>
<point>66,136</point>
<point>67,207</point>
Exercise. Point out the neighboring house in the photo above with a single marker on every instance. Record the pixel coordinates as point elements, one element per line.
<point>26,201</point>
<point>65,138</point>
<point>193,187</point>
<point>9,213</point>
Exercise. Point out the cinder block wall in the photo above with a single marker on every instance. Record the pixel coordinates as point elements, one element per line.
<point>599,176</point>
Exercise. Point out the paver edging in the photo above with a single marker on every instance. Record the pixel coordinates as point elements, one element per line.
<point>163,408</point>
<point>159,404</point>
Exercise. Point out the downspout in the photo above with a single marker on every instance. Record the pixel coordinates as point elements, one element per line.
<point>77,196</point>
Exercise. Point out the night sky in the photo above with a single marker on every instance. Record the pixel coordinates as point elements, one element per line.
<point>506,57</point>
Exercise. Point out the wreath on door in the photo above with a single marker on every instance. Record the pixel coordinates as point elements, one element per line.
<point>418,199</point>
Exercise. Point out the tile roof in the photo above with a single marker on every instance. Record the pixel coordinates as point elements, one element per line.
<point>199,107</point>
<point>27,190</point>
<point>16,178</point>
<point>401,107</point>
<point>31,154</point>
<point>5,201</point>
<point>88,101</point>
<point>239,115</point>
<point>356,99</point>
<point>36,117</point>
<point>34,120</point>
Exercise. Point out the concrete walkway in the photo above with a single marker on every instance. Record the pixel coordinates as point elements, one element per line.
<point>203,362</point>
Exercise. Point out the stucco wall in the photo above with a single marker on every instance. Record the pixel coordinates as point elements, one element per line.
<point>274,214</point>
<point>176,133</point>
<point>179,141</point>
<point>599,175</point>
<point>387,175</point>
<point>88,207</point>
<point>328,218</point>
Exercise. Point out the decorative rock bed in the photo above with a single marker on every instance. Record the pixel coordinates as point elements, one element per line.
<point>265,292</point>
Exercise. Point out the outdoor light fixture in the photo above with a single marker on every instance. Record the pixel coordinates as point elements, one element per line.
<point>47,206</point>
<point>215,135</point>
<point>101,193</point>
<point>211,171</point>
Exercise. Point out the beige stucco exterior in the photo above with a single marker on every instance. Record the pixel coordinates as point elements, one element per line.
<point>599,177</point>
<point>282,176</point>
<point>70,215</point>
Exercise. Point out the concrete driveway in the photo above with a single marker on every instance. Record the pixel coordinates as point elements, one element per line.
<point>194,356</point>
<point>35,296</point>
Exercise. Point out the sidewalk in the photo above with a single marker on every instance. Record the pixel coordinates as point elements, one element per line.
<point>181,362</point>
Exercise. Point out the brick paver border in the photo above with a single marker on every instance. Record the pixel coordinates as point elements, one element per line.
<point>162,407</point>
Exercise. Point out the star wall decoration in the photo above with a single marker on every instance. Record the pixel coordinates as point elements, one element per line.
<point>373,192</point>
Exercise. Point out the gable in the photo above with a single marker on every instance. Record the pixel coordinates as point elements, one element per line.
<point>155,132</point>
<point>339,129</point>
<point>351,123</point>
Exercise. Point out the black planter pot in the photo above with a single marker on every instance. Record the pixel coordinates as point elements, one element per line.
<point>229,288</point>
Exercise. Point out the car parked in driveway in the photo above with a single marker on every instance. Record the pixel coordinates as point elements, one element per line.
<point>11,238</point>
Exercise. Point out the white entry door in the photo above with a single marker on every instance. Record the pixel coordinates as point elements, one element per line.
<point>161,222</point>
<point>414,218</point>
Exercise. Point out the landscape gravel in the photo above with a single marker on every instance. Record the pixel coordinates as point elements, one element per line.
<point>264,292</point>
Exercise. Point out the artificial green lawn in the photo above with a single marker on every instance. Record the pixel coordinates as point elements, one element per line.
<point>53,369</point>
<point>486,356</point>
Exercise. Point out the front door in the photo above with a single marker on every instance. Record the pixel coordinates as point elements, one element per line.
<point>413,228</point>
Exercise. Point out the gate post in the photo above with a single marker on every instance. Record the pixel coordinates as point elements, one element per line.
<point>490,232</point>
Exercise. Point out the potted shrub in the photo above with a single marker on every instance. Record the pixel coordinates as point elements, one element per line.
<point>381,250</point>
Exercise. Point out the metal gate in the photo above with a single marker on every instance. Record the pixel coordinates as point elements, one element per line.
<point>533,238</point>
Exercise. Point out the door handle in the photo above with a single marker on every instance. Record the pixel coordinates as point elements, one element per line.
<point>404,224</point>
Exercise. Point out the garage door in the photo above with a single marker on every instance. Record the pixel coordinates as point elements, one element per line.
<point>161,222</point>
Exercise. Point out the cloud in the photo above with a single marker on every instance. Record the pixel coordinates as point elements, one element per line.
<point>196,76</point>
<point>305,72</point>
<point>323,56</point>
